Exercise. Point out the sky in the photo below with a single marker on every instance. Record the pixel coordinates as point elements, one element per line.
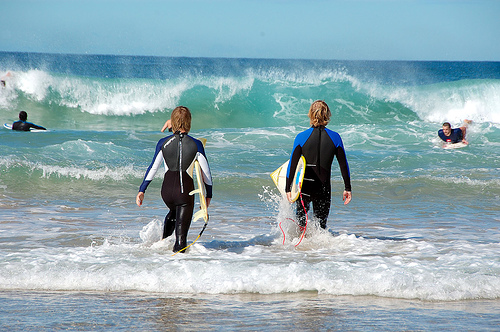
<point>452,30</point>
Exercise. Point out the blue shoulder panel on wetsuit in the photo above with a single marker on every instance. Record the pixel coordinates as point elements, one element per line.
<point>307,143</point>
<point>145,183</point>
<point>199,144</point>
<point>302,137</point>
<point>299,141</point>
<point>335,137</point>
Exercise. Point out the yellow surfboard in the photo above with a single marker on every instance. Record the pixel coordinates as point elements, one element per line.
<point>279,178</point>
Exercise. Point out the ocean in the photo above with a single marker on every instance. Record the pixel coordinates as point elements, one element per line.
<point>418,248</point>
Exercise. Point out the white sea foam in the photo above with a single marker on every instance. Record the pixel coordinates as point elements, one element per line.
<point>116,174</point>
<point>340,265</point>
<point>35,83</point>
<point>477,100</point>
<point>76,172</point>
<point>120,98</point>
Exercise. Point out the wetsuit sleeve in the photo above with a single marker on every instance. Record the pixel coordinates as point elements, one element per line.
<point>292,165</point>
<point>34,126</point>
<point>205,169</point>
<point>341,159</point>
<point>344,167</point>
<point>153,167</point>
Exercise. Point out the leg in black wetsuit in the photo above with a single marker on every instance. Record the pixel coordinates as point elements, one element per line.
<point>183,213</point>
<point>320,196</point>
<point>181,207</point>
<point>169,224</point>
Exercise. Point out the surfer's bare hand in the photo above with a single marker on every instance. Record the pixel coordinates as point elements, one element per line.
<point>139,198</point>
<point>289,196</point>
<point>346,197</point>
<point>167,124</point>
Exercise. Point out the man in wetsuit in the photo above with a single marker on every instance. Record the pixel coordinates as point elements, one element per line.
<point>23,125</point>
<point>319,145</point>
<point>454,135</point>
<point>178,152</point>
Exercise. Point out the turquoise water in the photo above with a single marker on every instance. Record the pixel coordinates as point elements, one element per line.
<point>419,242</point>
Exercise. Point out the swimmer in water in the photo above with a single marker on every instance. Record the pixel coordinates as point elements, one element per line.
<point>23,125</point>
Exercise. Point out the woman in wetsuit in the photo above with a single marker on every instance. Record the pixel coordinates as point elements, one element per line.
<point>178,152</point>
<point>319,145</point>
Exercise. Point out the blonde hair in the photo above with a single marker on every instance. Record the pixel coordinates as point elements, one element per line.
<point>319,114</point>
<point>181,119</point>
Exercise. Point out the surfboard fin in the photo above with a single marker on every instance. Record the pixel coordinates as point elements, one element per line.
<point>200,214</point>
<point>196,191</point>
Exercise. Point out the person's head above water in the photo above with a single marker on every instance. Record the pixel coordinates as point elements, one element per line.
<point>181,119</point>
<point>23,116</point>
<point>319,114</point>
<point>447,128</point>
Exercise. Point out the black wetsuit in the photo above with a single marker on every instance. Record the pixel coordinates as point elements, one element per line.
<point>319,145</point>
<point>25,126</point>
<point>178,153</point>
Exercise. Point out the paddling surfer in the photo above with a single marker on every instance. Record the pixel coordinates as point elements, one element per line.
<point>23,125</point>
<point>3,80</point>
<point>454,135</point>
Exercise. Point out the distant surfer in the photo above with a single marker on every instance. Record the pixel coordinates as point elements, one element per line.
<point>23,125</point>
<point>319,145</point>
<point>178,153</point>
<point>454,135</point>
<point>3,80</point>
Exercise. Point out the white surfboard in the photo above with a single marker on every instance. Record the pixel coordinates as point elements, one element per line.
<point>200,190</point>
<point>279,178</point>
<point>9,126</point>
<point>454,145</point>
